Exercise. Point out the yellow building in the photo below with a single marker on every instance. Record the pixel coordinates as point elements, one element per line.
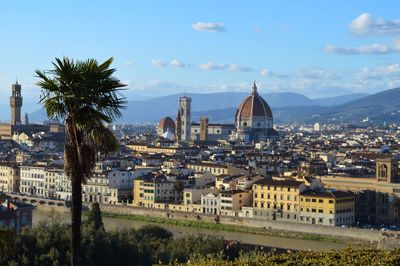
<point>327,207</point>
<point>149,190</point>
<point>144,148</point>
<point>217,168</point>
<point>377,198</point>
<point>277,199</point>
<point>9,177</point>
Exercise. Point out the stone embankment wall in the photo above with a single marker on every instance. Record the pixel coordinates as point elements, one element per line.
<point>56,208</point>
<point>334,231</point>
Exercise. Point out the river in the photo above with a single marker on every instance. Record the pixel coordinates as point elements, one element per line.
<point>262,240</point>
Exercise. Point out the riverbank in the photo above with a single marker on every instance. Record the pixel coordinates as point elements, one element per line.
<point>254,239</point>
<point>353,236</point>
<point>287,229</point>
<point>238,228</point>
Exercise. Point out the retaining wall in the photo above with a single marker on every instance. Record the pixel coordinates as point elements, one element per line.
<point>334,231</point>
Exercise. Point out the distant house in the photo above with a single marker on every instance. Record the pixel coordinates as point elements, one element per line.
<point>15,215</point>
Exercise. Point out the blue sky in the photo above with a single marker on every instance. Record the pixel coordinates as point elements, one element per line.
<point>317,48</point>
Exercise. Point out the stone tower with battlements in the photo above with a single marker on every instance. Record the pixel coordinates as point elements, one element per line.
<point>16,104</point>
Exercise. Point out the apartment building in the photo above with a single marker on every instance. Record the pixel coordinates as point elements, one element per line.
<point>377,198</point>
<point>232,201</point>
<point>277,199</point>
<point>327,207</point>
<point>151,189</point>
<point>9,177</point>
<point>32,180</point>
<point>217,168</point>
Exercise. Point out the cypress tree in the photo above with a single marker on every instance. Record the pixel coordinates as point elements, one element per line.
<point>94,217</point>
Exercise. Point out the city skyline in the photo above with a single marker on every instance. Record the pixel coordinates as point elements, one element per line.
<point>208,47</point>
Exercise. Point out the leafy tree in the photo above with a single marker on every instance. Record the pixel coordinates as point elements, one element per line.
<point>85,95</point>
<point>179,186</point>
<point>6,245</point>
<point>149,245</point>
<point>94,217</point>
<point>3,197</point>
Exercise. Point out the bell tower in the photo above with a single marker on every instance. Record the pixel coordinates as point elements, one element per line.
<point>16,104</point>
<point>185,117</point>
<point>387,170</point>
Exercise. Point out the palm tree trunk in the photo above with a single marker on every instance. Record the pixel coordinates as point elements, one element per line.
<point>76,220</point>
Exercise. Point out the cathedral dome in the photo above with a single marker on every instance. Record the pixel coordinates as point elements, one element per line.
<point>166,124</point>
<point>253,106</point>
<point>253,119</point>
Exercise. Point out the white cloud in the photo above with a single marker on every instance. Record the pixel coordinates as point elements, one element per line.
<point>313,72</point>
<point>209,26</point>
<point>159,63</point>
<point>391,71</point>
<point>365,24</point>
<point>268,73</point>
<point>173,63</point>
<point>236,67</point>
<point>177,63</point>
<point>212,66</point>
<point>230,67</point>
<point>376,48</point>
<point>310,87</point>
<point>163,84</point>
<point>128,63</point>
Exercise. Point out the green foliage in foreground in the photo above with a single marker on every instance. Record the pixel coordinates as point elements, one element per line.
<point>346,257</point>
<point>50,245</point>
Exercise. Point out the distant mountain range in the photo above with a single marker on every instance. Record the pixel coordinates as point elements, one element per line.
<point>152,110</point>
<point>376,108</point>
<point>286,107</point>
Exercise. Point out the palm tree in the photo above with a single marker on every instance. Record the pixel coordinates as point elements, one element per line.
<point>86,96</point>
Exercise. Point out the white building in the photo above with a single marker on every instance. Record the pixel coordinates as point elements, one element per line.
<point>210,203</point>
<point>32,180</point>
<point>317,127</point>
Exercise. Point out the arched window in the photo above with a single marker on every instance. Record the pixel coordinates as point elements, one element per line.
<point>382,171</point>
